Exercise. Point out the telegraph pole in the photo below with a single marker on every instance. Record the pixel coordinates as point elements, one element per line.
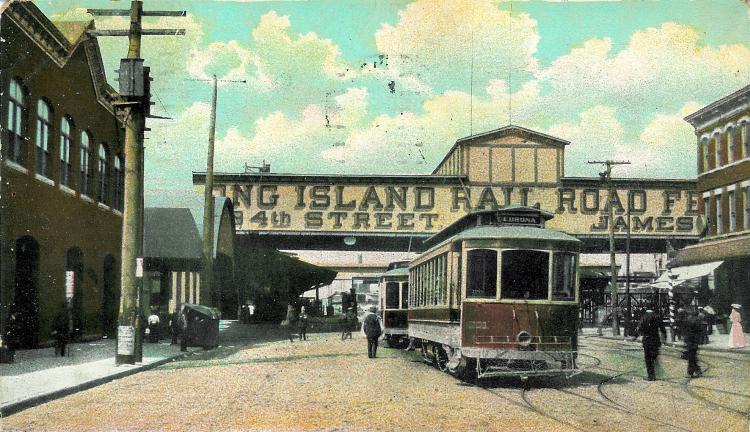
<point>135,106</point>
<point>208,200</point>
<point>607,176</point>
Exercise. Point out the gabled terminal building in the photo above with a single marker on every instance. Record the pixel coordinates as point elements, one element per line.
<point>510,165</point>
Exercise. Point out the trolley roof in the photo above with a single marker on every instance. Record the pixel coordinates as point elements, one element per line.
<point>401,271</point>
<point>508,216</point>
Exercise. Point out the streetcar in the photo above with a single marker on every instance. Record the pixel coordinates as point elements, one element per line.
<point>496,294</point>
<point>394,301</point>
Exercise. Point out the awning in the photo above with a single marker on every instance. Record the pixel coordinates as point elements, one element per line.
<point>680,275</point>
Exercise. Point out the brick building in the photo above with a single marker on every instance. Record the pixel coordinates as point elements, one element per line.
<point>62,177</point>
<point>723,132</point>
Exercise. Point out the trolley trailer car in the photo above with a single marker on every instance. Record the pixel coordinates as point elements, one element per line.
<point>394,300</point>
<point>497,294</point>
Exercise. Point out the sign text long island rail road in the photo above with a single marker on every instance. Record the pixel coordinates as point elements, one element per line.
<point>512,165</point>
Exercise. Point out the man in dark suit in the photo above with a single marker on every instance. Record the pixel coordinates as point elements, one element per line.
<point>371,328</point>
<point>652,331</point>
<point>694,334</point>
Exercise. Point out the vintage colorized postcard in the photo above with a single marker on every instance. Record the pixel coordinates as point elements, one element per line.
<point>374,215</point>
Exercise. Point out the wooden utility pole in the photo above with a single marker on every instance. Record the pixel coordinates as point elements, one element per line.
<point>607,176</point>
<point>135,105</point>
<point>208,204</point>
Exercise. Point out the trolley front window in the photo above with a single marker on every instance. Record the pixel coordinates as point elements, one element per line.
<point>481,269</point>
<point>564,276</point>
<point>391,295</point>
<point>525,275</point>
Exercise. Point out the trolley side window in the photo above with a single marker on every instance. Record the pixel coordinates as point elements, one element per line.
<point>525,274</point>
<point>481,273</point>
<point>564,276</point>
<point>391,295</point>
<point>405,295</point>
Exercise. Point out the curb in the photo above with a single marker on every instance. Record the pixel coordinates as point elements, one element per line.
<point>15,407</point>
<point>678,346</point>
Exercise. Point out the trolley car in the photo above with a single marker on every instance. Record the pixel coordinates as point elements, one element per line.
<point>394,300</point>
<point>497,294</point>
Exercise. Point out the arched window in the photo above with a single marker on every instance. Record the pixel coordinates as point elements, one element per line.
<point>117,198</point>
<point>731,144</point>
<point>65,144</point>
<point>43,132</point>
<point>84,171</point>
<point>745,133</point>
<point>15,124</point>
<point>103,172</point>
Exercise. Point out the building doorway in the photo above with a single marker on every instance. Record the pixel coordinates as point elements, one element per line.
<point>24,310</point>
<point>111,296</point>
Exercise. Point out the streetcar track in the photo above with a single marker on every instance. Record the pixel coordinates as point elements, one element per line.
<point>685,384</point>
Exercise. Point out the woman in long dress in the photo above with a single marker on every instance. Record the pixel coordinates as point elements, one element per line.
<point>737,338</point>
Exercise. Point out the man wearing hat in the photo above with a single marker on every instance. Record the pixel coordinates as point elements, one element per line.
<point>372,330</point>
<point>737,337</point>
<point>650,328</point>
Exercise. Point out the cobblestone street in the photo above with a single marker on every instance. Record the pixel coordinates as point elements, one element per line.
<point>329,384</point>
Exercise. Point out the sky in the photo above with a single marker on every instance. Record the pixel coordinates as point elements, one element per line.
<point>387,86</point>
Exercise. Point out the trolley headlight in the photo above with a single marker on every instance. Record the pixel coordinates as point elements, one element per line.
<point>523,338</point>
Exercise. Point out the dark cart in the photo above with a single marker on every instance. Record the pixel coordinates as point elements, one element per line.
<point>202,325</point>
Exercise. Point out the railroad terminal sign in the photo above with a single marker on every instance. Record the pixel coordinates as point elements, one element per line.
<point>511,165</point>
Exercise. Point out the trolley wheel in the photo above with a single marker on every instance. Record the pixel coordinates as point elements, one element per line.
<point>441,358</point>
<point>466,370</point>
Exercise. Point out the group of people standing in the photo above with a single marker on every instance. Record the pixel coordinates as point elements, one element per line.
<point>371,326</point>
<point>693,330</point>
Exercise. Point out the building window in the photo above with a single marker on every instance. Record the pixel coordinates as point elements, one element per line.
<point>745,133</point>
<point>719,215</point>
<point>103,174</point>
<point>732,211</point>
<point>706,201</point>
<point>43,131</point>
<point>15,124</point>
<point>717,145</point>
<point>117,198</point>
<point>747,207</point>
<point>731,144</point>
<point>65,142</point>
<point>85,172</point>
<point>704,150</point>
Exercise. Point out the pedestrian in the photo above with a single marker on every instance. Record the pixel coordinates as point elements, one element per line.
<point>372,330</point>
<point>737,338</point>
<point>289,322</point>
<point>174,326</point>
<point>302,324</point>
<point>651,328</point>
<point>183,329</point>
<point>348,324</point>
<point>153,327</point>
<point>61,331</point>
<point>679,323</point>
<point>693,331</point>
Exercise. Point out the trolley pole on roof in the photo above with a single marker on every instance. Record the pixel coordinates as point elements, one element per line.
<point>607,177</point>
<point>134,106</point>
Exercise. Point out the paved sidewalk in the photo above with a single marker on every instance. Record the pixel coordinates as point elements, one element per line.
<point>716,341</point>
<point>37,376</point>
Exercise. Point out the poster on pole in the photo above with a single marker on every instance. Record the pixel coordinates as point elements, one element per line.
<point>125,340</point>
<point>139,267</point>
<point>69,284</point>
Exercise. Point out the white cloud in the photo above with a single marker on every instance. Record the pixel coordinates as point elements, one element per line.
<point>658,71</point>
<point>439,43</point>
